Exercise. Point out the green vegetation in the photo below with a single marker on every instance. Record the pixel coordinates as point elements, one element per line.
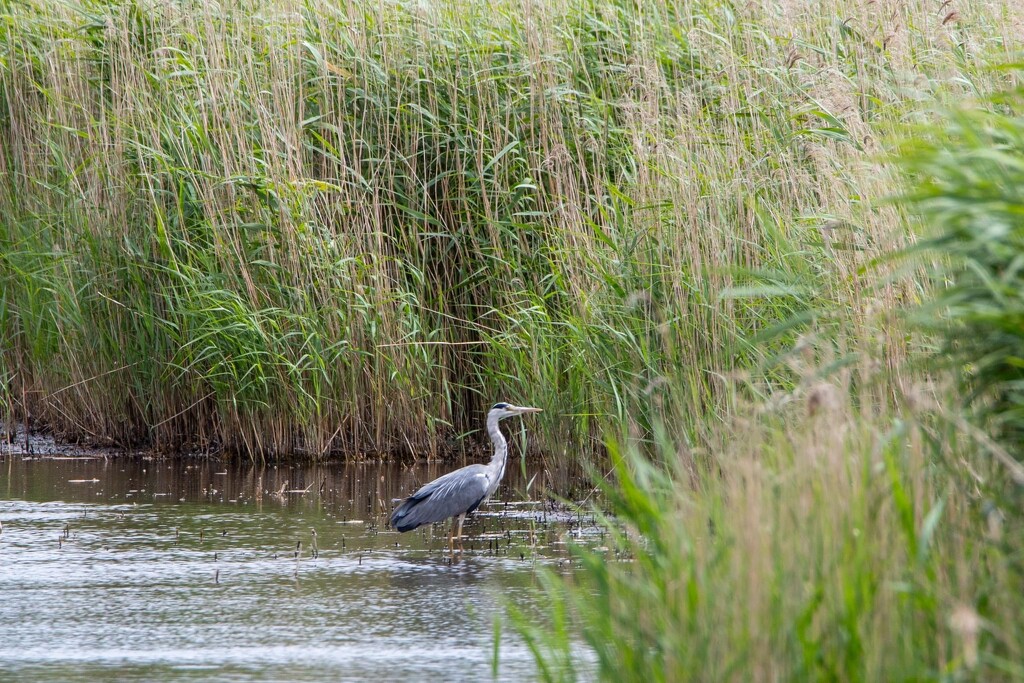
<point>865,522</point>
<point>969,176</point>
<point>831,546</point>
<point>281,226</point>
<point>303,227</point>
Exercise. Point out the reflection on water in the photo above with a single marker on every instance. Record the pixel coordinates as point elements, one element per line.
<point>141,569</point>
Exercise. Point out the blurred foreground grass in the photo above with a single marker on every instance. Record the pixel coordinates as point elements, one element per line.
<point>827,537</point>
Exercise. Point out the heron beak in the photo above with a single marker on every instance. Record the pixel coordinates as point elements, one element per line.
<point>524,411</point>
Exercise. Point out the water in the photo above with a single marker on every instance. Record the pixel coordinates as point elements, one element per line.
<point>144,569</point>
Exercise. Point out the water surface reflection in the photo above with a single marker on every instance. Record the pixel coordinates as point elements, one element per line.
<point>138,568</point>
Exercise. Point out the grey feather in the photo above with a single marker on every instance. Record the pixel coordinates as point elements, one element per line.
<point>455,493</point>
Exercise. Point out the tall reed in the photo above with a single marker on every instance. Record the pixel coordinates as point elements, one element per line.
<point>318,227</point>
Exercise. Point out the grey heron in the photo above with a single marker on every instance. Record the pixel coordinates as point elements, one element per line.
<point>459,493</point>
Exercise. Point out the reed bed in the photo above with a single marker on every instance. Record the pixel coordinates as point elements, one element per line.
<point>307,227</point>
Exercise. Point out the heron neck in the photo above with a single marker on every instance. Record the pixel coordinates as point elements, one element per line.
<point>500,447</point>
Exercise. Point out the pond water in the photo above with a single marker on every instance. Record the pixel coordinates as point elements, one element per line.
<point>137,568</point>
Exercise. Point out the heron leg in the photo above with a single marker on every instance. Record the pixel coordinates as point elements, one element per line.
<point>462,518</point>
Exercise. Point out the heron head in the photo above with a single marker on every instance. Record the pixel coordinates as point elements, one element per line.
<point>503,410</point>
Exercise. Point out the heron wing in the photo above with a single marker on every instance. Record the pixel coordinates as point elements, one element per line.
<point>453,494</point>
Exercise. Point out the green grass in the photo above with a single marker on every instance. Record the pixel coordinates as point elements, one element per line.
<point>310,228</point>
